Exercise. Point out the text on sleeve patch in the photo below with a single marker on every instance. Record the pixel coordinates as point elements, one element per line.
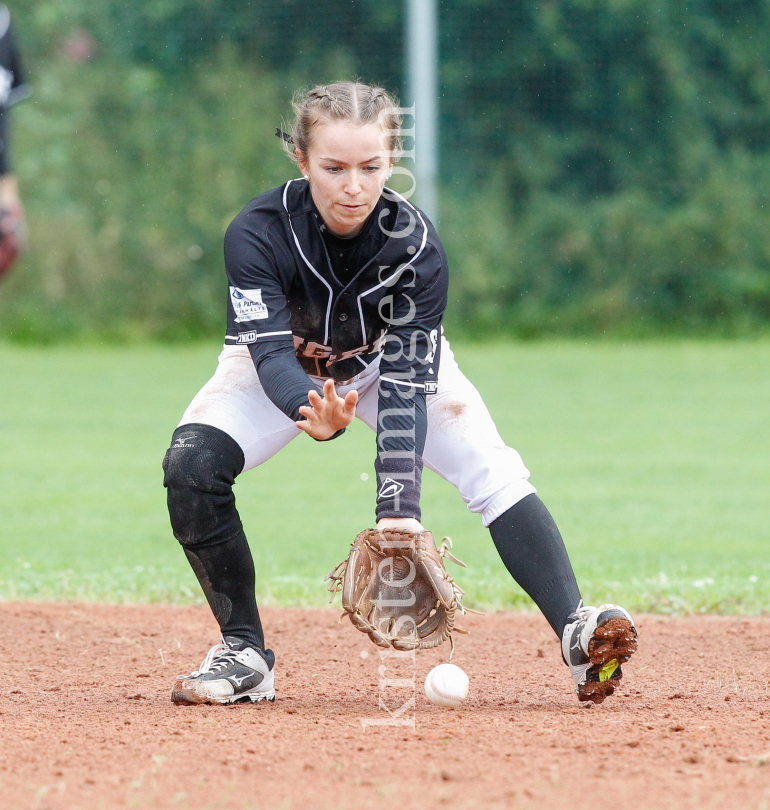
<point>247,305</point>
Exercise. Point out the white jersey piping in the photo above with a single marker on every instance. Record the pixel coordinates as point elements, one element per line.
<point>261,334</point>
<point>402,382</point>
<point>271,334</point>
<point>400,269</point>
<point>315,272</point>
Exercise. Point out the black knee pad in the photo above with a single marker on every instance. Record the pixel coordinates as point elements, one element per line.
<point>200,468</point>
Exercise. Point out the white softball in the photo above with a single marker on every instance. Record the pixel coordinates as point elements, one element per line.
<point>446,685</point>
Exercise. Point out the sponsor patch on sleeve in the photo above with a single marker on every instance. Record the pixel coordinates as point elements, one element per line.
<point>247,305</point>
<point>247,337</point>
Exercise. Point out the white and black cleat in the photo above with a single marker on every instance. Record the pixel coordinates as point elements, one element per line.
<point>594,644</point>
<point>230,673</point>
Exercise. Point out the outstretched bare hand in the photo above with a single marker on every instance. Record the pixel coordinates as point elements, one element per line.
<point>328,414</point>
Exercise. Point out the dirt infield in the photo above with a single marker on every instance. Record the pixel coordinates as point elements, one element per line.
<point>86,721</point>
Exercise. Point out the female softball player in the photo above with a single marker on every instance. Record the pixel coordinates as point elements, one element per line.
<point>337,289</point>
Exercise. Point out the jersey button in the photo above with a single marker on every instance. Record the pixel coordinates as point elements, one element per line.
<point>343,317</point>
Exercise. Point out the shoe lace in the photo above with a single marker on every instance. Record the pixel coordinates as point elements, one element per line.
<point>218,657</point>
<point>581,613</point>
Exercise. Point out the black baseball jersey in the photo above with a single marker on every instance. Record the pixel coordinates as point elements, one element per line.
<point>282,287</point>
<point>282,283</point>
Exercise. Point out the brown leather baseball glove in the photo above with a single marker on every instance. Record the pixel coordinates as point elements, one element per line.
<point>395,588</point>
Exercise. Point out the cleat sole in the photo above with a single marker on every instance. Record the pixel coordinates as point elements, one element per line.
<point>186,697</point>
<point>612,644</point>
<point>608,670</point>
<point>260,698</point>
<point>595,689</point>
<point>616,638</point>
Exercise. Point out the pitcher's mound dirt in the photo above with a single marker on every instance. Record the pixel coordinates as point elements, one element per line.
<point>86,720</point>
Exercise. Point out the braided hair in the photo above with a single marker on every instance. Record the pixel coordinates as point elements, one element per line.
<point>342,101</point>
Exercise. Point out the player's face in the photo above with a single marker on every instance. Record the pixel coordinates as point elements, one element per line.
<point>347,164</point>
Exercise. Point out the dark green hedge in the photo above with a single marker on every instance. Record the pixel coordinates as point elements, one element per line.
<point>605,163</point>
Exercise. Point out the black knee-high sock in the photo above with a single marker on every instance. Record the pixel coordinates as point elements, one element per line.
<point>533,551</point>
<point>200,469</point>
<point>226,574</point>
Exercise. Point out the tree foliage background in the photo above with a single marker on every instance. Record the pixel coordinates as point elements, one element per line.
<point>605,164</point>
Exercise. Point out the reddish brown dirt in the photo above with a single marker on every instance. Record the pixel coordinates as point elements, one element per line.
<point>86,721</point>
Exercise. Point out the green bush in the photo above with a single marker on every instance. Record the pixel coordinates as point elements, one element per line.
<point>605,164</point>
<point>130,180</point>
<point>622,264</point>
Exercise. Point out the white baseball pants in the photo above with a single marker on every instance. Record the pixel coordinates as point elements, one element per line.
<point>463,445</point>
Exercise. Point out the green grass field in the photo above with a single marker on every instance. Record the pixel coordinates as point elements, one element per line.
<point>653,457</point>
